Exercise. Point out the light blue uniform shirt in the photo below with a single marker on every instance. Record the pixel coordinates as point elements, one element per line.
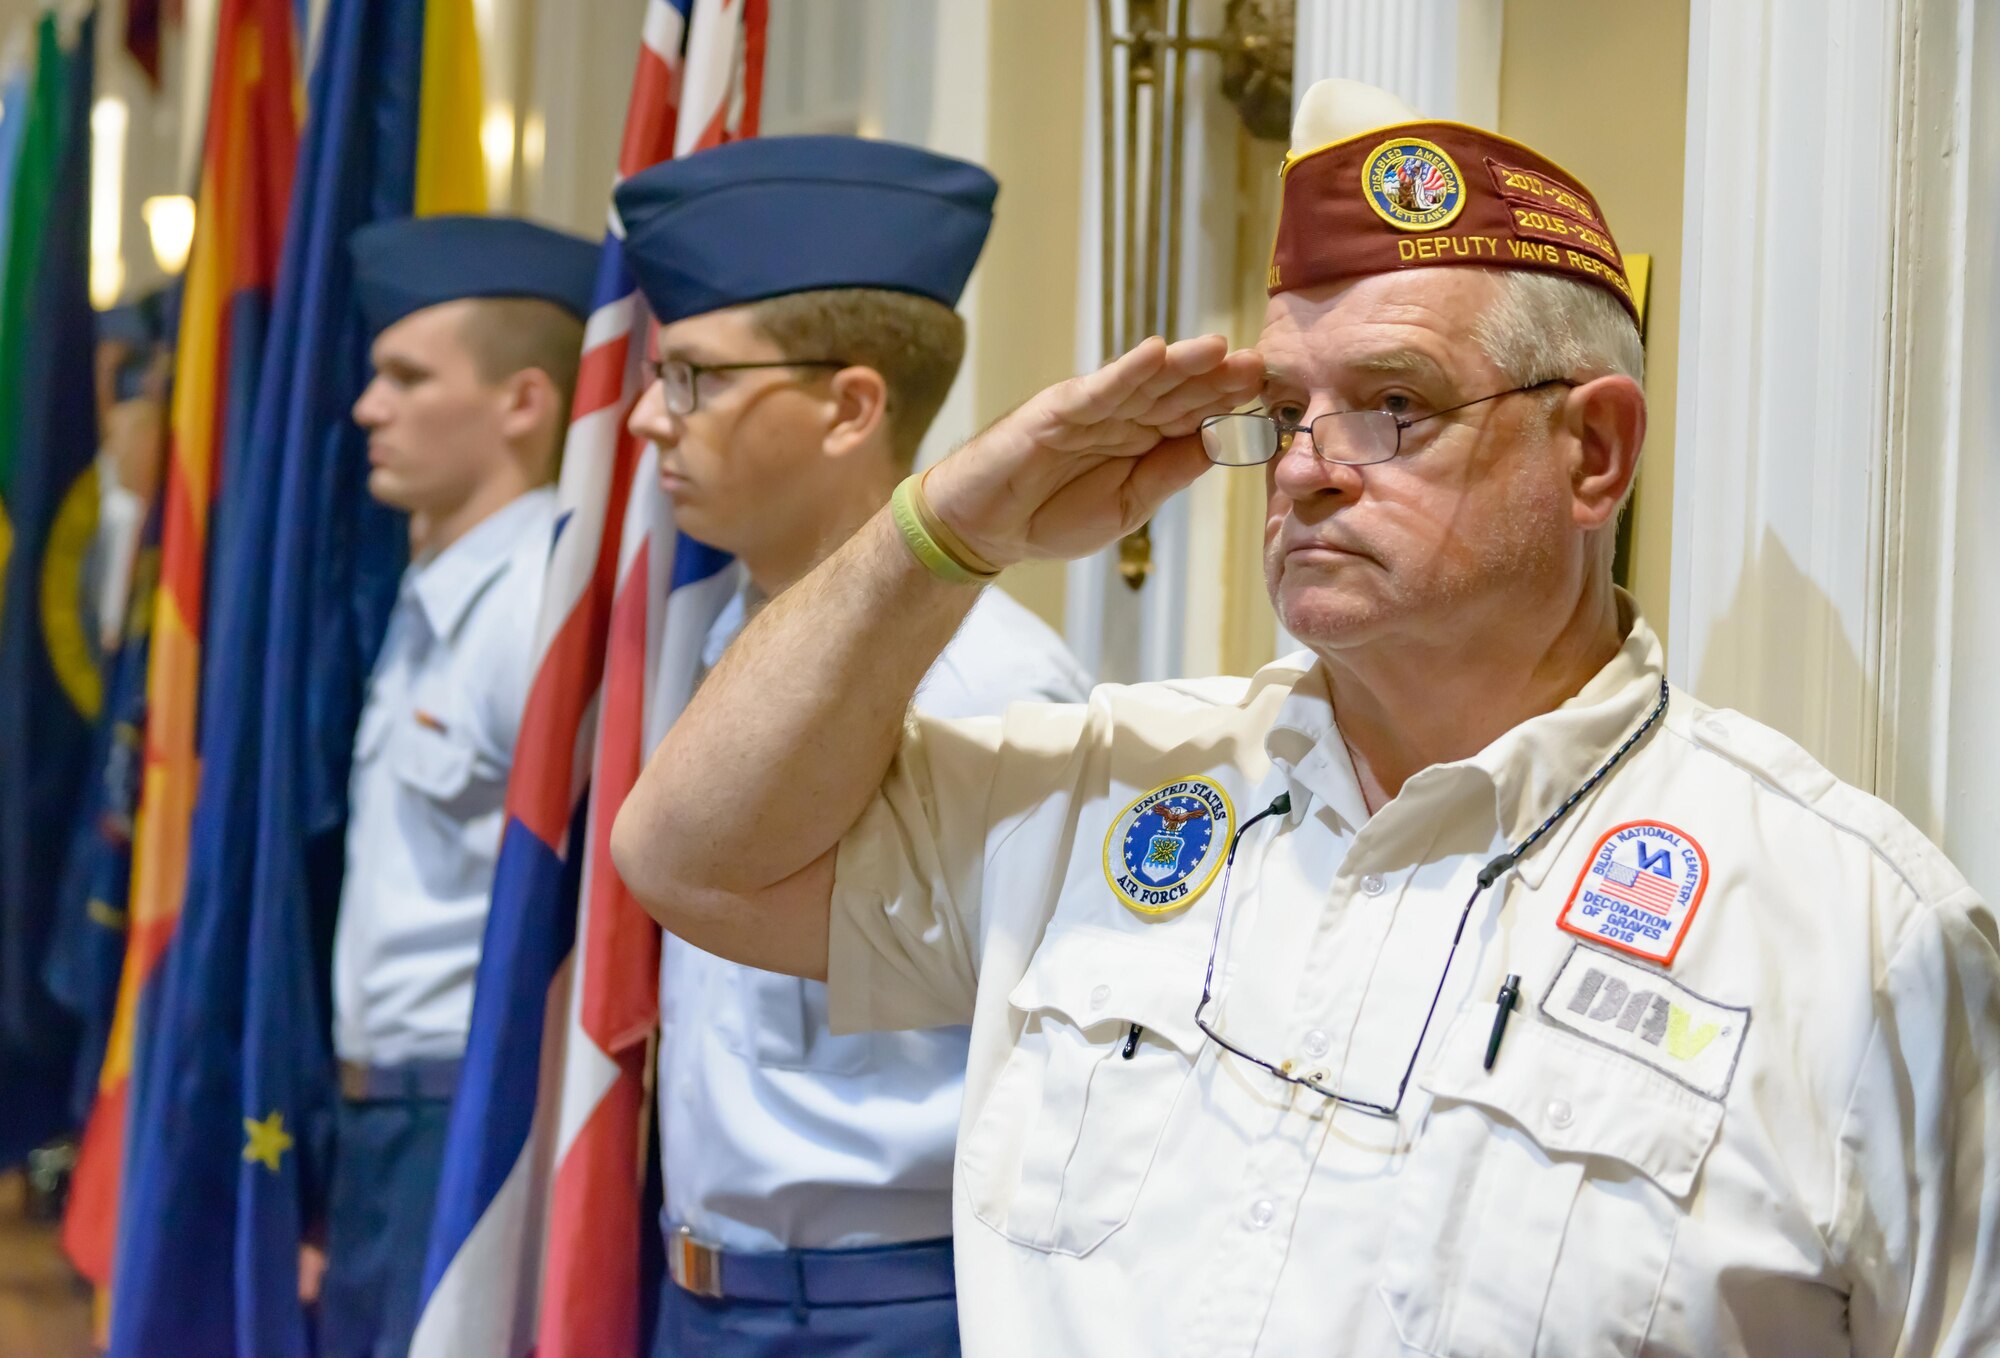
<point>775,1133</point>
<point>426,799</point>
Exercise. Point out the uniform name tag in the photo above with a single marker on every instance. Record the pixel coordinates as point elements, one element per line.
<point>1638,891</point>
<point>1650,1017</point>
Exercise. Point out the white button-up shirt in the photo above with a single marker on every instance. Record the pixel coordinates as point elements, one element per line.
<point>775,1134</point>
<point>425,799</point>
<point>1745,1104</point>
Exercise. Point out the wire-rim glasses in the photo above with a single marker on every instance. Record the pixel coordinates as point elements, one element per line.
<point>1317,1078</point>
<point>680,380</point>
<point>1352,438</point>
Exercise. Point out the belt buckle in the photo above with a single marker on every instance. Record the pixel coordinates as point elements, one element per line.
<point>695,1265</point>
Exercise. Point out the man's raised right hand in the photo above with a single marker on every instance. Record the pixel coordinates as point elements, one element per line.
<point>1087,461</point>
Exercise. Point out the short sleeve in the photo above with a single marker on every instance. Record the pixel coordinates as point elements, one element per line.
<point>1918,1193</point>
<point>910,885</point>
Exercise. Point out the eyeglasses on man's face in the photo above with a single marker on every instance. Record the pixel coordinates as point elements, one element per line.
<point>680,380</point>
<point>1352,438</point>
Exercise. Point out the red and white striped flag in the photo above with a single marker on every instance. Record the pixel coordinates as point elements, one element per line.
<point>544,1207</point>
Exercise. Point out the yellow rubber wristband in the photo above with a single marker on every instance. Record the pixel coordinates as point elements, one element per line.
<point>955,547</point>
<point>926,548</point>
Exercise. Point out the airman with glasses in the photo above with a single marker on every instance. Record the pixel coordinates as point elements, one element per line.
<point>808,1174</point>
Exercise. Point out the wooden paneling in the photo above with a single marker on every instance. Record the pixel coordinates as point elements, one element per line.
<point>44,1306</point>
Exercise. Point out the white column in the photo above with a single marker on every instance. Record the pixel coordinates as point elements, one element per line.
<point>1440,56</point>
<point>1837,418</point>
<point>1777,605</point>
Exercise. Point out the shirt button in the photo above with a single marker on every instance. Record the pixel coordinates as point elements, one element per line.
<point>1559,1113</point>
<point>1316,1043</point>
<point>1373,884</point>
<point>1261,1212</point>
<point>1100,996</point>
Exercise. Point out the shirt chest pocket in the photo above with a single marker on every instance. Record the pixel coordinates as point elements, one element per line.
<point>780,1023</point>
<point>1058,1152</point>
<point>453,802</point>
<point>1536,1213</point>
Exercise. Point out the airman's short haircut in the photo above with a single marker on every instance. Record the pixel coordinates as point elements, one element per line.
<point>916,344</point>
<point>506,335</point>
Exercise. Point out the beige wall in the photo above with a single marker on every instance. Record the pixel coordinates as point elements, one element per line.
<point>1602,90</point>
<point>1028,302</point>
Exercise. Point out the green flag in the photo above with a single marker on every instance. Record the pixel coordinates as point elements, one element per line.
<point>34,178</point>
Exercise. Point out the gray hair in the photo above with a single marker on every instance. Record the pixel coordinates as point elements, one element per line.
<point>1543,325</point>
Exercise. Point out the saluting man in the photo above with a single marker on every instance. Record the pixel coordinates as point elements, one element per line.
<point>476,327</point>
<point>1456,986</point>
<point>805,291</point>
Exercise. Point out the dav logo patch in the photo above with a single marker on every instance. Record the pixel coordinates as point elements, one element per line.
<point>1650,1017</point>
<point>1639,891</point>
<point>1165,848</point>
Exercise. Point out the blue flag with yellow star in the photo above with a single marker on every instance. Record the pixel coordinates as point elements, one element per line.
<point>305,570</point>
<point>335,560</point>
<point>172,1272</point>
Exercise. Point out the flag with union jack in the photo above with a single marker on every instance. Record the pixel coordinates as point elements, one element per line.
<point>541,1197</point>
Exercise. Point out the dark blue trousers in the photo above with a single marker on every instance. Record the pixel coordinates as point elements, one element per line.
<point>694,1326</point>
<point>386,1159</point>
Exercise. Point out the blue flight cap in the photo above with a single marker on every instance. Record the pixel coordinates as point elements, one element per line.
<point>168,300</point>
<point>773,215</point>
<point>145,326</point>
<point>130,323</point>
<point>134,326</point>
<point>411,263</point>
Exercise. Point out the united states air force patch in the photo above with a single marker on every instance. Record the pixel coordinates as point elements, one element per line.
<point>1413,185</point>
<point>1639,891</point>
<point>1165,848</point>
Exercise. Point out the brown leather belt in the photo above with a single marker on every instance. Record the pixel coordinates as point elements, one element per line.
<point>413,1080</point>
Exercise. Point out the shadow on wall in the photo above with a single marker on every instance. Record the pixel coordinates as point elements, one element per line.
<point>1782,635</point>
